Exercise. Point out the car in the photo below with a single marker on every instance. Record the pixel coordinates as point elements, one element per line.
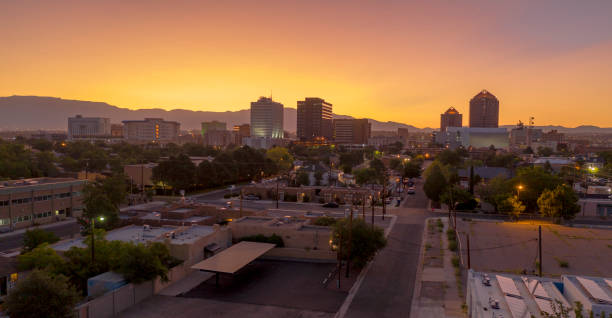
<point>251,197</point>
<point>228,204</point>
<point>411,190</point>
<point>331,205</point>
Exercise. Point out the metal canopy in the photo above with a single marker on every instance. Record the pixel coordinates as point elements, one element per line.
<point>231,260</point>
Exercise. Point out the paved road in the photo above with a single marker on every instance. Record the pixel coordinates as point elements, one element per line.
<point>388,286</point>
<point>10,242</point>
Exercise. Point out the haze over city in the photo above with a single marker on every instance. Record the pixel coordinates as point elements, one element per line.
<point>551,59</point>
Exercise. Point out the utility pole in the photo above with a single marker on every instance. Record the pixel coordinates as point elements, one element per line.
<point>93,239</point>
<point>468,251</point>
<point>240,202</point>
<point>384,196</point>
<point>277,195</point>
<point>340,259</point>
<point>363,209</point>
<point>540,249</point>
<point>372,204</point>
<point>350,224</point>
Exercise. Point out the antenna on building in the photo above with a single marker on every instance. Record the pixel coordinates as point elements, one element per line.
<point>531,122</point>
<point>270,94</point>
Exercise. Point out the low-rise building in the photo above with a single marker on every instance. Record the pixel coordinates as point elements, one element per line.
<point>466,137</point>
<point>28,202</point>
<point>505,295</point>
<point>150,130</point>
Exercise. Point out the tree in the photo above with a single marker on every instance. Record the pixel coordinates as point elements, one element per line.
<point>435,184</point>
<point>455,195</point>
<point>534,181</point>
<point>560,203</point>
<point>496,191</point>
<point>303,178</point>
<point>41,257</point>
<point>318,175</point>
<point>42,295</point>
<point>97,203</point>
<point>35,237</point>
<point>378,166</point>
<point>365,240</point>
<point>449,157</point>
<point>512,206</point>
<point>411,170</point>
<point>365,176</point>
<point>178,172</point>
<point>281,157</point>
<point>395,164</point>
<point>139,264</point>
<point>544,151</point>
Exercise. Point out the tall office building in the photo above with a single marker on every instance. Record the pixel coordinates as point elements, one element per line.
<point>450,118</point>
<point>150,130</point>
<point>352,131</point>
<point>87,127</point>
<point>484,110</point>
<point>213,126</point>
<point>314,119</point>
<point>266,118</point>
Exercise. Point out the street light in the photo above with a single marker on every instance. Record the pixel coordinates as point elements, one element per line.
<point>519,188</point>
<point>93,240</point>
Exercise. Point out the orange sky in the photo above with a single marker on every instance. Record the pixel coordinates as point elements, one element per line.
<point>388,60</point>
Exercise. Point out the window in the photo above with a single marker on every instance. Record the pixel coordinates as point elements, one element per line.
<point>4,203</point>
<point>5,221</point>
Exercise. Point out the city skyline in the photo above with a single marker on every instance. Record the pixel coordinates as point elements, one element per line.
<point>217,56</point>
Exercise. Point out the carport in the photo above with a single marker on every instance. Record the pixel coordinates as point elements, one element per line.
<point>233,259</point>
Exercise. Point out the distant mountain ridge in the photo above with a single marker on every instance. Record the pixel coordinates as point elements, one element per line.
<point>34,112</point>
<point>51,113</point>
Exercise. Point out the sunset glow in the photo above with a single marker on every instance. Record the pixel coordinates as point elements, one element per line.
<point>387,60</point>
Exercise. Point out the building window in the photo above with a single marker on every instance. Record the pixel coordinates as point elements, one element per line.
<point>5,221</point>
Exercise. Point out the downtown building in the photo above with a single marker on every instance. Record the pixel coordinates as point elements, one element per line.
<point>150,130</point>
<point>352,131</point>
<point>266,119</point>
<point>215,133</point>
<point>484,110</point>
<point>314,120</point>
<point>28,202</point>
<point>80,127</point>
<point>241,131</point>
<point>450,118</point>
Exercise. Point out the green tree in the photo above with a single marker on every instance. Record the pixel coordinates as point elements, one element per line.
<point>365,240</point>
<point>449,157</point>
<point>178,172</point>
<point>411,170</point>
<point>35,237</point>
<point>395,164</point>
<point>281,157</point>
<point>378,166</point>
<point>495,191</point>
<point>534,181</point>
<point>455,195</point>
<point>303,178</point>
<point>97,203</point>
<point>512,206</point>
<point>41,257</point>
<point>139,263</point>
<point>559,203</point>
<point>365,176</point>
<point>42,295</point>
<point>435,184</point>
<point>544,151</point>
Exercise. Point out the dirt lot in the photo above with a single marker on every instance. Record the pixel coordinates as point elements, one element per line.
<point>513,247</point>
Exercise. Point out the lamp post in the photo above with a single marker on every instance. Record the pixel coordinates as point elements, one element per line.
<point>93,239</point>
<point>518,190</point>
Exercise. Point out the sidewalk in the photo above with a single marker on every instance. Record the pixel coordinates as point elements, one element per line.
<point>43,226</point>
<point>436,289</point>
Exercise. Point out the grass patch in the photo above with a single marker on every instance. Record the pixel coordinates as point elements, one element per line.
<point>455,261</point>
<point>562,263</point>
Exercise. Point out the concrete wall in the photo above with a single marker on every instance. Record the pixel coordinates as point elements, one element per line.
<point>116,301</point>
<point>193,251</point>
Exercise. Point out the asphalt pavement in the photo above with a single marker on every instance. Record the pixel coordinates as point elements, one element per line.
<point>12,241</point>
<point>387,288</point>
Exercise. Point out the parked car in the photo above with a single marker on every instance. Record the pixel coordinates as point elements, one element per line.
<point>411,190</point>
<point>331,205</point>
<point>251,197</point>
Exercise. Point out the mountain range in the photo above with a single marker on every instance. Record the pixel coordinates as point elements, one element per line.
<point>51,113</point>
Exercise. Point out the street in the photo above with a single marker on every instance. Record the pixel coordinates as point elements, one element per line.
<point>388,286</point>
<point>13,241</point>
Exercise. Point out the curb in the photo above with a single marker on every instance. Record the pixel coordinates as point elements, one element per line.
<point>349,298</point>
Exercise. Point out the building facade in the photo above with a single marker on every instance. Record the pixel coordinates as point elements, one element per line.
<point>241,131</point>
<point>150,130</point>
<point>450,118</point>
<point>484,110</point>
<point>213,126</point>
<point>466,137</point>
<point>24,203</point>
<point>352,131</point>
<point>86,127</point>
<point>314,119</point>
<point>266,118</point>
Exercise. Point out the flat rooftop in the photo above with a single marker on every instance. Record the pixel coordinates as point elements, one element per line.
<point>138,234</point>
<point>36,184</point>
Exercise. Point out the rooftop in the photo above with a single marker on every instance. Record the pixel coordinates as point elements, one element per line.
<point>34,182</point>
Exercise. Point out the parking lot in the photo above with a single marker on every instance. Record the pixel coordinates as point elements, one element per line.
<point>513,248</point>
<point>287,284</point>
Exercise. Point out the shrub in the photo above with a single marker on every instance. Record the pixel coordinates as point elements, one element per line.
<point>324,221</point>
<point>34,237</point>
<point>366,241</point>
<point>274,239</point>
<point>452,245</point>
<point>455,261</point>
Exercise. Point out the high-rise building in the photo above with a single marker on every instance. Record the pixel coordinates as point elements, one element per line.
<point>88,127</point>
<point>352,131</point>
<point>450,118</point>
<point>266,118</point>
<point>213,126</point>
<point>484,111</point>
<point>241,131</point>
<point>314,119</point>
<point>150,130</point>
